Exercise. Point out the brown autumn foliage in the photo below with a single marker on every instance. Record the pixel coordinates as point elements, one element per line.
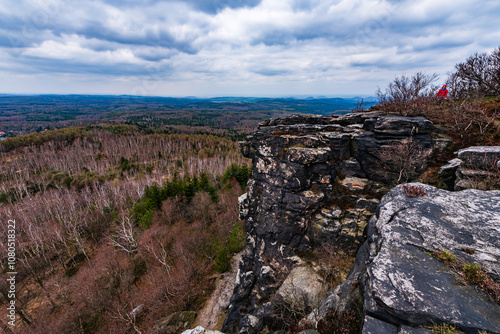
<point>468,122</point>
<point>83,265</point>
<point>477,76</point>
<point>470,116</point>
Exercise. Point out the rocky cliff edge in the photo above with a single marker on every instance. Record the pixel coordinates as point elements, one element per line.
<point>317,181</point>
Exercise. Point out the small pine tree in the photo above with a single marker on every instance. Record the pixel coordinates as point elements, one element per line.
<point>222,260</point>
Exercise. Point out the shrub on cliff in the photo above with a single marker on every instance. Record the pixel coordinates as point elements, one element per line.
<point>235,243</point>
<point>403,160</point>
<point>470,116</point>
<point>478,75</point>
<point>408,95</point>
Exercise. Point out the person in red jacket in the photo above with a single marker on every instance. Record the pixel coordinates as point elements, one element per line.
<point>442,94</point>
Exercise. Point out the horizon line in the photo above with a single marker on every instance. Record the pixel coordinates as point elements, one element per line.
<point>296,96</point>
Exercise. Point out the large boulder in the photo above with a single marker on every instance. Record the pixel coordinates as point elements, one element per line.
<point>398,126</point>
<point>296,119</point>
<point>475,167</point>
<point>480,168</point>
<point>404,284</point>
<point>386,147</point>
<point>448,173</point>
<point>302,290</point>
<point>357,117</point>
<point>201,330</point>
<point>482,157</point>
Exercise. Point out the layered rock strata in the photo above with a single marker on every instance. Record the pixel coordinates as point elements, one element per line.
<point>403,284</point>
<point>315,180</point>
<point>474,167</point>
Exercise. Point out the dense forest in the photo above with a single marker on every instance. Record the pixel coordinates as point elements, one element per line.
<point>231,117</point>
<point>108,219</point>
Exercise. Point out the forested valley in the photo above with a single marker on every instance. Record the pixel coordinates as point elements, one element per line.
<point>109,218</point>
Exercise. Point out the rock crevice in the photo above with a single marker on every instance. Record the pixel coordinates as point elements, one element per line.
<point>318,181</point>
<point>315,180</point>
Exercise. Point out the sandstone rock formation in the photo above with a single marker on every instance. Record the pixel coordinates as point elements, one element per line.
<point>315,180</point>
<point>402,283</point>
<point>318,180</point>
<point>474,167</point>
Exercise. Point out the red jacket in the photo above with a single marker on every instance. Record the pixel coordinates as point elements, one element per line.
<point>443,92</point>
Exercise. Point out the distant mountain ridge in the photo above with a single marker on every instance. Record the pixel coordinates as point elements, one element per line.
<point>337,103</point>
<point>20,114</point>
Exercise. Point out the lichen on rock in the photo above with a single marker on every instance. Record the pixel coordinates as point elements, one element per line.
<point>317,181</point>
<point>299,198</point>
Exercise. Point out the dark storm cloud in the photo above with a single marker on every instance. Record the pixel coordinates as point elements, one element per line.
<point>70,66</point>
<point>94,20</point>
<point>15,33</point>
<point>311,31</point>
<point>148,37</point>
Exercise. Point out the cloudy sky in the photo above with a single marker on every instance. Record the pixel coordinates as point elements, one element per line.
<point>235,47</point>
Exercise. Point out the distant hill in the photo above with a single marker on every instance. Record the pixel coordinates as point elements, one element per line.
<point>20,114</point>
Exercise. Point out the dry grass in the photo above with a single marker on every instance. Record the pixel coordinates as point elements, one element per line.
<point>470,273</point>
<point>444,329</point>
<point>335,264</point>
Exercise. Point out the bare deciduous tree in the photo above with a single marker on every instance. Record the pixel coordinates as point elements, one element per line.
<point>405,88</point>
<point>478,75</point>
<point>126,319</point>
<point>359,106</point>
<point>408,95</point>
<point>123,237</point>
<point>403,160</point>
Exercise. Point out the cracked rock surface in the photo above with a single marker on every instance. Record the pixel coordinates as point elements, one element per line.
<point>314,180</point>
<point>403,284</point>
<point>311,176</point>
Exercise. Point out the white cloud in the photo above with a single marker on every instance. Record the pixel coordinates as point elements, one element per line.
<point>71,49</point>
<point>286,44</point>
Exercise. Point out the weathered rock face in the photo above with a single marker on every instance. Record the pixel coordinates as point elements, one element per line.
<point>302,289</point>
<point>382,131</point>
<point>448,173</point>
<point>474,167</point>
<point>298,199</point>
<point>402,284</point>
